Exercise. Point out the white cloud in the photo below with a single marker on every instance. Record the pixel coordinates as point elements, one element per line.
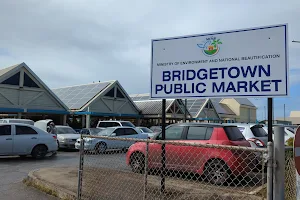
<point>74,42</point>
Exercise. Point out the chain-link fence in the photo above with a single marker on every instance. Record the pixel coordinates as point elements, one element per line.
<point>155,169</point>
<point>290,175</point>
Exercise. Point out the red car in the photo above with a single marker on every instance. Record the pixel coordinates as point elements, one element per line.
<point>216,164</point>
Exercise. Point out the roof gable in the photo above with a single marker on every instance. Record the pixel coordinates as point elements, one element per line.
<point>76,97</point>
<point>11,76</point>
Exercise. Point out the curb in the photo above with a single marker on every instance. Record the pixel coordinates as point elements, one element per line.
<point>48,187</point>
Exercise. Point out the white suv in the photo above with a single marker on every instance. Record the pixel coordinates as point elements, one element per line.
<point>105,124</point>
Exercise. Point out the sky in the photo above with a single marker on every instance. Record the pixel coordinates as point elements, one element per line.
<point>74,42</point>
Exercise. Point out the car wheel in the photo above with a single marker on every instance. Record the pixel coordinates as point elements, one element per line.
<point>100,147</point>
<point>39,152</point>
<point>217,172</point>
<point>137,163</point>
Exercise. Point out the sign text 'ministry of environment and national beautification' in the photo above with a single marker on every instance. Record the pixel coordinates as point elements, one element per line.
<point>251,62</point>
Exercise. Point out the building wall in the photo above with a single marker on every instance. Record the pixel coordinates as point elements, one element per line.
<point>247,114</point>
<point>110,105</point>
<point>27,98</point>
<point>228,117</point>
<point>208,113</point>
<point>295,114</point>
<point>233,105</point>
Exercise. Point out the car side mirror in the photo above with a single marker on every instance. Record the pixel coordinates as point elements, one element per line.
<point>113,135</point>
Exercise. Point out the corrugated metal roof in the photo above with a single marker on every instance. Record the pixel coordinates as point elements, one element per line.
<point>221,108</point>
<point>7,69</point>
<point>194,106</point>
<point>77,96</point>
<point>152,107</point>
<point>245,101</point>
<point>228,111</point>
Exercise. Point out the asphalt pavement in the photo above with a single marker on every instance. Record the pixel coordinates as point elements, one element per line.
<point>14,169</point>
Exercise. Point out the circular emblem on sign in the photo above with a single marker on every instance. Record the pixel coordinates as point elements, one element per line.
<point>211,46</point>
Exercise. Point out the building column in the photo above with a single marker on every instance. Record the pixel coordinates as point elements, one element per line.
<point>83,123</point>
<point>88,121</point>
<point>139,120</point>
<point>64,120</point>
<point>19,115</point>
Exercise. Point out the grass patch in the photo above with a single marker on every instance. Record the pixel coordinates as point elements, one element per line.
<point>40,187</point>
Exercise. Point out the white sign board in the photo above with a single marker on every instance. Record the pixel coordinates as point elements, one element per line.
<point>240,63</point>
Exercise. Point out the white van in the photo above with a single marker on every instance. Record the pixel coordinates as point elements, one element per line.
<point>21,121</point>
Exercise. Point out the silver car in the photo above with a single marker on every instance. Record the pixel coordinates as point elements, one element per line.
<point>147,131</point>
<point>101,145</point>
<point>91,131</point>
<point>23,139</point>
<point>66,137</point>
<point>254,133</point>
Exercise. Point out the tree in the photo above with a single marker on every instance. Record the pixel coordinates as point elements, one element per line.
<point>216,42</point>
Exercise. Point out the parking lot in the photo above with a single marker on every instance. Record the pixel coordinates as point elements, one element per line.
<point>14,169</point>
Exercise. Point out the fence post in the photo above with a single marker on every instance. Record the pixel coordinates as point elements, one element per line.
<point>146,170</point>
<point>270,172</point>
<point>279,153</point>
<point>80,170</point>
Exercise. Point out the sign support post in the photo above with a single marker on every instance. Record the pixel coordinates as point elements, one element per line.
<point>279,157</point>
<point>163,148</point>
<point>185,110</point>
<point>270,150</point>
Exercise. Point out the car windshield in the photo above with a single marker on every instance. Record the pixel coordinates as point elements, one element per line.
<point>65,130</point>
<point>107,131</point>
<point>127,124</point>
<point>146,130</point>
<point>233,133</point>
<point>95,131</point>
<point>258,131</point>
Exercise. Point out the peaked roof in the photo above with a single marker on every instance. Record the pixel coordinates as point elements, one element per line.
<point>10,71</point>
<point>194,106</point>
<point>221,108</point>
<point>152,107</point>
<point>245,101</point>
<point>75,97</point>
<point>7,69</point>
<point>79,97</point>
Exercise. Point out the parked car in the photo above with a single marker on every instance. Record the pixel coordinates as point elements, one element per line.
<point>289,131</point>
<point>255,133</point>
<point>91,131</point>
<point>105,124</point>
<point>23,139</point>
<point>22,121</point>
<point>101,145</point>
<point>156,129</point>
<point>146,130</point>
<point>217,164</point>
<point>67,137</point>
